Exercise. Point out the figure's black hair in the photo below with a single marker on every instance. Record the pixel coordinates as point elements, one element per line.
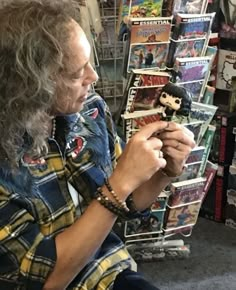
<point>180,92</point>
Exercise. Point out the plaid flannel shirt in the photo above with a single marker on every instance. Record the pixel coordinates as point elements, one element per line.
<point>35,203</point>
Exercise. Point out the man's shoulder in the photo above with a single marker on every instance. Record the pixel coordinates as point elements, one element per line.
<point>94,99</point>
<point>95,102</point>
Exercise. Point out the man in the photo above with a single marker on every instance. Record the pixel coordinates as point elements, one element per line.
<point>61,183</point>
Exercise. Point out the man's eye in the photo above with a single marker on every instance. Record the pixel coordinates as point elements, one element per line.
<point>177,101</point>
<point>164,95</point>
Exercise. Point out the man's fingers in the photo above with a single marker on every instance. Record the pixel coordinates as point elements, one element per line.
<point>152,129</point>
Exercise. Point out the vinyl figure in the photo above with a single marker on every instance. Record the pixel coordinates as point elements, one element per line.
<point>175,100</point>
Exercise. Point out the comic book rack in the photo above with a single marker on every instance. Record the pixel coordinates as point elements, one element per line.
<point>153,237</point>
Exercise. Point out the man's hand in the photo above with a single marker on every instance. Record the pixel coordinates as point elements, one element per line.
<point>140,159</point>
<point>178,142</point>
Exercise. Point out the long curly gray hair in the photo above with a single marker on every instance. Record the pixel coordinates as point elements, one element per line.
<point>33,38</point>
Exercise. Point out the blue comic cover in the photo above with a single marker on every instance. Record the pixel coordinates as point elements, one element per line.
<point>192,26</point>
<point>186,48</point>
<point>150,55</point>
<point>196,88</point>
<point>185,215</point>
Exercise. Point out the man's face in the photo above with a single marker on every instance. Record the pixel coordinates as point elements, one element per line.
<point>170,101</point>
<point>77,76</point>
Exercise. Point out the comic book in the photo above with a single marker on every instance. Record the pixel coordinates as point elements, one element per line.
<point>208,95</point>
<point>190,172</point>
<point>145,8</point>
<point>122,22</point>
<point>206,141</point>
<point>145,30</point>
<point>209,174</point>
<point>211,51</point>
<point>140,78</point>
<point>226,69</point>
<point>195,128</point>
<point>142,98</point>
<point>199,112</point>
<point>186,48</point>
<point>133,122</point>
<point>186,191</point>
<point>148,77</point>
<point>196,155</point>
<point>181,216</point>
<point>189,69</point>
<point>189,26</point>
<point>196,88</point>
<point>152,224</point>
<point>189,7</point>
<point>148,55</point>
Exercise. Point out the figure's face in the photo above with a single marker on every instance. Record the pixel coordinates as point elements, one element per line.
<point>170,101</point>
<point>77,76</point>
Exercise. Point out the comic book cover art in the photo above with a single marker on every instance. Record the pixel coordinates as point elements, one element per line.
<point>191,69</point>
<point>206,141</point>
<point>145,8</point>
<point>192,26</point>
<point>151,55</point>
<point>186,48</point>
<point>226,69</point>
<point>199,112</point>
<point>182,216</point>
<point>142,98</point>
<point>196,155</point>
<point>195,128</point>
<point>190,172</point>
<point>195,88</point>
<point>133,122</point>
<point>211,51</point>
<point>147,78</point>
<point>186,191</point>
<point>208,95</point>
<point>140,78</point>
<point>122,23</point>
<point>160,202</point>
<point>146,225</point>
<point>150,29</point>
<point>189,6</point>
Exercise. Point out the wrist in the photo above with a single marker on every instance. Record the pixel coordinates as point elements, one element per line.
<point>121,188</point>
<point>169,174</point>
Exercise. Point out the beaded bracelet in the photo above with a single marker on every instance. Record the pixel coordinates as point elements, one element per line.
<point>108,204</point>
<point>122,204</point>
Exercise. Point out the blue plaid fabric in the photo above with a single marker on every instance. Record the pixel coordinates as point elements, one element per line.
<point>36,205</point>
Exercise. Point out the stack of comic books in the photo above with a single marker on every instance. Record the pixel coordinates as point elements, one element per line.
<point>147,43</point>
<point>141,83</point>
<point>190,36</point>
<point>197,121</point>
<point>136,9</point>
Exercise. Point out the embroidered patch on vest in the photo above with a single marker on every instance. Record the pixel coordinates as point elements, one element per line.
<point>76,146</point>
